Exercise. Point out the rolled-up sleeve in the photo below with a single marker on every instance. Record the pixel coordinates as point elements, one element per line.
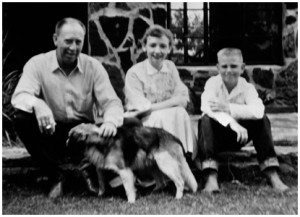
<point>27,89</point>
<point>253,107</point>
<point>135,97</point>
<point>107,100</point>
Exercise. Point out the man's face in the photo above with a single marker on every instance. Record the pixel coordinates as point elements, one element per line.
<point>157,50</point>
<point>230,69</point>
<point>69,43</point>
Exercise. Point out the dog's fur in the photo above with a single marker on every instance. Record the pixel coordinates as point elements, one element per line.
<point>134,148</point>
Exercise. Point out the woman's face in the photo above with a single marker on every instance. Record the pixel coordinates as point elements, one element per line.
<point>157,50</point>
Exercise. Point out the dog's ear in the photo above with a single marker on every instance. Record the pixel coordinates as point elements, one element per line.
<point>83,129</point>
<point>87,135</point>
<point>82,138</point>
<point>94,139</point>
<point>82,132</point>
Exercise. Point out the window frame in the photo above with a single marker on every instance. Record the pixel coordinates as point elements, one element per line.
<point>208,59</point>
<point>185,32</point>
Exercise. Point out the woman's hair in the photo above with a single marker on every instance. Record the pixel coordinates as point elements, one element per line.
<point>68,20</point>
<point>158,31</point>
<point>229,51</point>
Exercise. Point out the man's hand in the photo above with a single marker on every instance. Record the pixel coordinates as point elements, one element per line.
<point>44,117</point>
<point>242,133</point>
<point>219,106</point>
<point>107,129</point>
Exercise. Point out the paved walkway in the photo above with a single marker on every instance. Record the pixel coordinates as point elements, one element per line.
<point>284,128</point>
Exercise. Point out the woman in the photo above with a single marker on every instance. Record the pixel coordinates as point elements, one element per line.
<point>154,85</point>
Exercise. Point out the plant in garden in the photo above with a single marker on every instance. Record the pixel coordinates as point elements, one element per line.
<point>10,78</point>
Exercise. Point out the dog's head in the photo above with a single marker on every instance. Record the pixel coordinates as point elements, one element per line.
<point>82,138</point>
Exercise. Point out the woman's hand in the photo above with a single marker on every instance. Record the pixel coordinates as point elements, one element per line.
<point>172,102</point>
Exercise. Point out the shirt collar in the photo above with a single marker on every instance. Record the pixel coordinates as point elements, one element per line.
<point>235,90</point>
<point>151,70</point>
<point>55,66</point>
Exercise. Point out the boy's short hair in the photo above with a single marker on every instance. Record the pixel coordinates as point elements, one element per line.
<point>158,31</point>
<point>229,51</point>
<point>67,20</point>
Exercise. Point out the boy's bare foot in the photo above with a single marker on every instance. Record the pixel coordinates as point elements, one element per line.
<point>212,185</point>
<point>275,181</point>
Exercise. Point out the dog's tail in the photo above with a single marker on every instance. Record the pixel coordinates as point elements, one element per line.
<point>188,177</point>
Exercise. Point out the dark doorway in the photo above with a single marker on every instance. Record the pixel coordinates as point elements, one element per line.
<point>28,28</point>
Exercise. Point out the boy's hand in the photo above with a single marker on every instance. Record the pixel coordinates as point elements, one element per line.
<point>242,133</point>
<point>219,106</point>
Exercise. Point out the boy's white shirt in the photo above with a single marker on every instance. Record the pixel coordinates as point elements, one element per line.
<point>244,103</point>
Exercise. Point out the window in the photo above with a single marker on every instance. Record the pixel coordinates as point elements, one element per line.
<point>201,29</point>
<point>187,23</point>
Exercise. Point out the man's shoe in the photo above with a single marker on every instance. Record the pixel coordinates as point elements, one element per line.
<point>56,191</point>
<point>89,183</point>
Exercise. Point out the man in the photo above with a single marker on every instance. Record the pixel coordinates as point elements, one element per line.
<point>233,114</point>
<point>59,90</point>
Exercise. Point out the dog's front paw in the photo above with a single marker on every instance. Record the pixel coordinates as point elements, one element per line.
<point>179,195</point>
<point>101,192</point>
<point>131,199</point>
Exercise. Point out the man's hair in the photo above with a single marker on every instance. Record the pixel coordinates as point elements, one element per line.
<point>229,51</point>
<point>158,31</point>
<point>68,20</point>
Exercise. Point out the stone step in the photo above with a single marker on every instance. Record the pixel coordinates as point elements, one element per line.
<point>284,126</point>
<point>240,165</point>
<point>16,160</point>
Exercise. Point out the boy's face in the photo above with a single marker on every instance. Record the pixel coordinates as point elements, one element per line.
<point>230,69</point>
<point>157,50</point>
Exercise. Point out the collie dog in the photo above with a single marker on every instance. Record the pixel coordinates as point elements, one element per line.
<point>134,148</point>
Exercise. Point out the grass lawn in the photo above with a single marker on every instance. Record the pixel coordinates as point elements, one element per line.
<point>23,195</point>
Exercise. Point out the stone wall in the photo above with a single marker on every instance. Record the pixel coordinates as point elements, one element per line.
<point>276,85</point>
<point>115,31</point>
<point>290,32</point>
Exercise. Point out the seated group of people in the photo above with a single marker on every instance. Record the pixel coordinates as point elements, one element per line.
<point>61,88</point>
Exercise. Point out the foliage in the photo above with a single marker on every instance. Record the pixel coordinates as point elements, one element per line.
<point>10,78</point>
<point>194,39</point>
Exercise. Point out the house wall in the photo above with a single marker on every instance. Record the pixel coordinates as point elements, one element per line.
<point>115,30</point>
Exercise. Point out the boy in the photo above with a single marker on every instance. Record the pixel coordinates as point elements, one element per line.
<point>233,114</point>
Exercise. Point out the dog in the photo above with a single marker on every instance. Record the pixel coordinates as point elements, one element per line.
<point>134,148</point>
